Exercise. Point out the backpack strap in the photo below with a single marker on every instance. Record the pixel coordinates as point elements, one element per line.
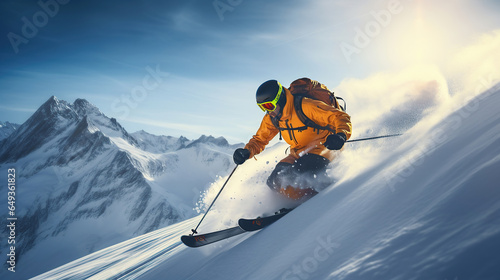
<point>297,103</point>
<point>276,120</point>
<point>344,108</point>
<point>288,128</point>
<point>276,124</point>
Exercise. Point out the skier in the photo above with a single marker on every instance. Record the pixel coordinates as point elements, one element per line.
<point>311,149</point>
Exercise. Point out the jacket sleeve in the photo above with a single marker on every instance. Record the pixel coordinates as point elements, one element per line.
<point>266,133</point>
<point>326,115</point>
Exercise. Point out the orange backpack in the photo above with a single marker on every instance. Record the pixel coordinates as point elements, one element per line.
<point>306,87</point>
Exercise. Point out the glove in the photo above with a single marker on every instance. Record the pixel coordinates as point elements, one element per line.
<point>335,141</point>
<point>241,155</point>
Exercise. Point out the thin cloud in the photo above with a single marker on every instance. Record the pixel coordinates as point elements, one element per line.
<point>17,109</point>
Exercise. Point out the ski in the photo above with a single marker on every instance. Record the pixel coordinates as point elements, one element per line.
<point>244,225</point>
<point>209,238</point>
<point>259,223</point>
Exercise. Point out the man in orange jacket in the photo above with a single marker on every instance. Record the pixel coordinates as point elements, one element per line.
<point>311,150</point>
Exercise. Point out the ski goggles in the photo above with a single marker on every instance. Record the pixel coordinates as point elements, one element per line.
<point>271,105</point>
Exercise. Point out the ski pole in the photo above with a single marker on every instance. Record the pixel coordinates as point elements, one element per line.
<point>371,138</point>
<point>194,230</point>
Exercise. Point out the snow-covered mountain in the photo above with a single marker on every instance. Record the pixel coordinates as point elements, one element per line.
<point>85,183</point>
<point>159,144</point>
<point>422,206</point>
<point>6,129</point>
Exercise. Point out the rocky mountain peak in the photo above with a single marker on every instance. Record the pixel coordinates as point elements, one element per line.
<point>83,108</point>
<point>220,141</point>
<point>51,108</point>
<point>56,118</point>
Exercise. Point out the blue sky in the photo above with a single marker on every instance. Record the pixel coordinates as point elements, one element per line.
<point>192,67</point>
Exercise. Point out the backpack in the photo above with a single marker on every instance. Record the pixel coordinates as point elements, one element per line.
<point>306,87</point>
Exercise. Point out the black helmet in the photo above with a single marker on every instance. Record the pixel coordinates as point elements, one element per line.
<point>268,91</point>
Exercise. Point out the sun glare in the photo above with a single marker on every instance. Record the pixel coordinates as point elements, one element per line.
<point>427,33</point>
<point>419,39</point>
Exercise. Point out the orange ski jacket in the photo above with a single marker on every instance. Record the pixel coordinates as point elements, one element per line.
<point>304,141</point>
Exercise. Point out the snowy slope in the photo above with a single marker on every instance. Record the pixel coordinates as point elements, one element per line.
<point>423,206</point>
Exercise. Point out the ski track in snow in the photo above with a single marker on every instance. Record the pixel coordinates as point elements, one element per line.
<point>126,260</point>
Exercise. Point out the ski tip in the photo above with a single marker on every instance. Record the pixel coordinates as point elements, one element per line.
<point>189,241</point>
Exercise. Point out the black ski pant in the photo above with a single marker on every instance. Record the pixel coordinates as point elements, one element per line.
<point>308,171</point>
